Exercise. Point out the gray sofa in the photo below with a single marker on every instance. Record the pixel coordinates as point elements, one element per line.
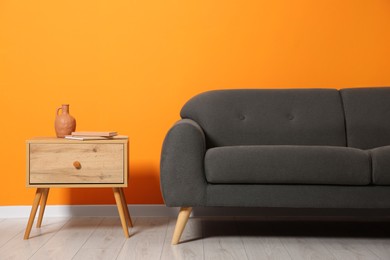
<point>298,148</point>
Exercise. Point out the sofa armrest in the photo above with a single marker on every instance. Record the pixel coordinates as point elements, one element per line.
<point>183,181</point>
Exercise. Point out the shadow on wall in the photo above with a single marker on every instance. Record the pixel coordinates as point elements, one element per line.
<point>143,188</point>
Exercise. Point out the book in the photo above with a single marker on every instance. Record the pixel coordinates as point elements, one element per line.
<point>83,138</point>
<point>84,133</point>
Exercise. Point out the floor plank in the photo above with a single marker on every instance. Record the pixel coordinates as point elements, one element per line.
<point>265,248</point>
<point>96,253</point>
<point>9,228</point>
<point>191,242</point>
<point>259,243</point>
<point>306,248</point>
<point>147,239</point>
<point>222,240</point>
<point>109,234</point>
<point>379,246</point>
<point>67,241</point>
<point>18,248</point>
<point>105,242</point>
<point>348,248</point>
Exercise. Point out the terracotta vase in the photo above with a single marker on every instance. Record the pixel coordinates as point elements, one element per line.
<point>64,124</point>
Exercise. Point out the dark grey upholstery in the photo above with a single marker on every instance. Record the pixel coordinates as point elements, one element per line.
<point>276,164</point>
<point>269,117</point>
<point>295,151</point>
<point>367,114</point>
<point>183,178</point>
<point>381,165</point>
<point>298,196</point>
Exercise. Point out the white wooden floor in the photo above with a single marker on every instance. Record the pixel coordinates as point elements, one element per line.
<point>204,238</point>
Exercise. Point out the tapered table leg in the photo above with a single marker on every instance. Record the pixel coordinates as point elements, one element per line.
<point>121,211</point>
<point>33,212</point>
<point>42,207</point>
<point>127,213</point>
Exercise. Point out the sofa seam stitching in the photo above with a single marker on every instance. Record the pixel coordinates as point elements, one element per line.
<point>344,118</point>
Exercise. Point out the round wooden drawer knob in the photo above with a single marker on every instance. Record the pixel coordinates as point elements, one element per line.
<point>77,165</point>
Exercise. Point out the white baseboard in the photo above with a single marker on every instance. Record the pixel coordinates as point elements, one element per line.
<point>160,210</point>
<point>89,210</point>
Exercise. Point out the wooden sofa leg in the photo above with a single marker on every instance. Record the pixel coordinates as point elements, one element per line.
<point>182,219</point>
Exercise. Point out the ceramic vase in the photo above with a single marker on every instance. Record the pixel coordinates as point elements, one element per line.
<point>64,124</point>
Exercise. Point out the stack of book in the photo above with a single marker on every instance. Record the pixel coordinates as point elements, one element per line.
<point>91,135</point>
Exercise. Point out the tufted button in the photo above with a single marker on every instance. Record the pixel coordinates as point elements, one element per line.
<point>290,117</point>
<point>242,117</point>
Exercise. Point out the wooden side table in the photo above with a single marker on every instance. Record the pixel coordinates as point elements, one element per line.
<point>57,162</point>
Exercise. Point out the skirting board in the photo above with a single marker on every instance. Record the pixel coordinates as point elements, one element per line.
<point>89,210</point>
<point>159,210</point>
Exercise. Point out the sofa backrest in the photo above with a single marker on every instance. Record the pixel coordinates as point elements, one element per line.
<point>367,116</point>
<point>269,117</point>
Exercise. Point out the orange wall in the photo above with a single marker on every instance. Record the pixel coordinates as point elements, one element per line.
<point>130,66</point>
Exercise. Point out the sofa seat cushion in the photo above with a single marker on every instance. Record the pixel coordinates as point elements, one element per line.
<point>277,164</point>
<point>381,165</point>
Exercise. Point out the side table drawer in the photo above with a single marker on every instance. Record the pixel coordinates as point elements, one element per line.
<point>67,163</point>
